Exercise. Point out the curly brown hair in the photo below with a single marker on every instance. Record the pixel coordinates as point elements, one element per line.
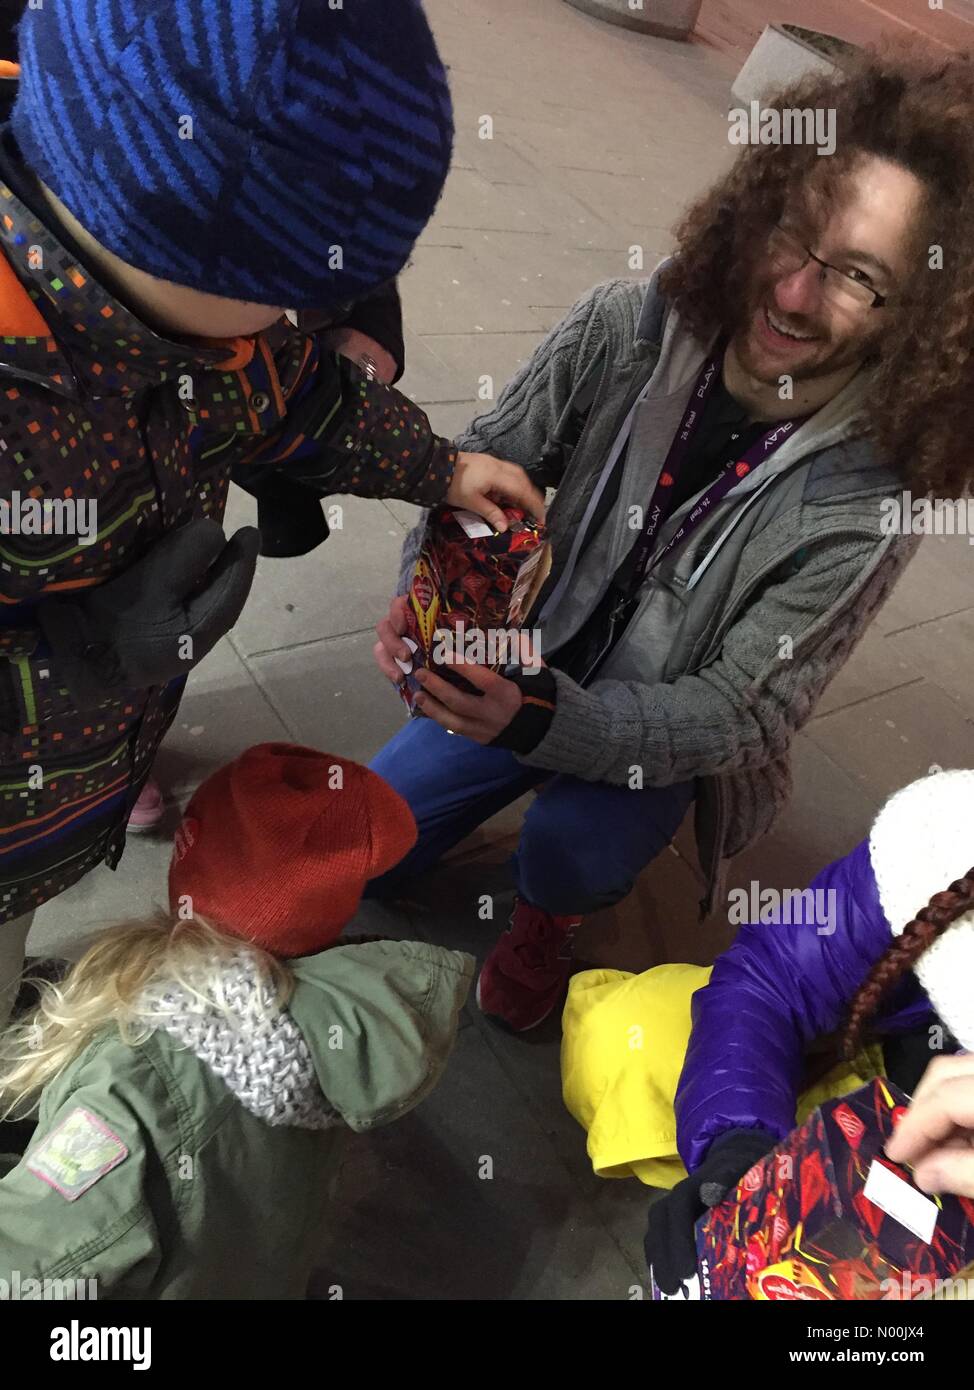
<point>917,936</point>
<point>917,111</point>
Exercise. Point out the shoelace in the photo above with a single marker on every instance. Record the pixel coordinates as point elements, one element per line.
<point>542,948</point>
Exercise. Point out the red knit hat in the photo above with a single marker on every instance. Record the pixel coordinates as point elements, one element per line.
<point>277,846</point>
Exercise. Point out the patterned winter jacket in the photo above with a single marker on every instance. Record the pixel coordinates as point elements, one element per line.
<point>97,408</point>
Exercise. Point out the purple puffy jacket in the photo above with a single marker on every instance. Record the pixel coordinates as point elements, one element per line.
<point>776,990</point>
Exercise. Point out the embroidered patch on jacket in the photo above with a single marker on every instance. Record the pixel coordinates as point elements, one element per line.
<point>75,1155</point>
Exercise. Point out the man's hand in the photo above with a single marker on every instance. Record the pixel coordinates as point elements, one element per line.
<point>936,1135</point>
<point>482,483</point>
<point>354,345</point>
<point>390,644</point>
<point>478,717</point>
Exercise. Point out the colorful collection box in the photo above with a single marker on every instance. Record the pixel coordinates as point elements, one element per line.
<point>471,592</point>
<point>827,1216</point>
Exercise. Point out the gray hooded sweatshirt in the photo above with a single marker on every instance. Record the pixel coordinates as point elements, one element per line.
<point>739,630</point>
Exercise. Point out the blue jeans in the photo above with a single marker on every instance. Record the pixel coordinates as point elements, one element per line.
<point>582,844</point>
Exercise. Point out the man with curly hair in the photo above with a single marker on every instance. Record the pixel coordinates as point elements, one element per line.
<point>721,442</point>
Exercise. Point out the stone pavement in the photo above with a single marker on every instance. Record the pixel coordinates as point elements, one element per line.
<point>599,138</point>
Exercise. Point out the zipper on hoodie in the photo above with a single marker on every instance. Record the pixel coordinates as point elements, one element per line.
<point>620,419</point>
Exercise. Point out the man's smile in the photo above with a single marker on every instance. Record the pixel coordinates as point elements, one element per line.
<point>775,333</point>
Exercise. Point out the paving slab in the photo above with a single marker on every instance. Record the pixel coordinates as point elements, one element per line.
<point>829,814</point>
<point>891,740</point>
<point>449,418</point>
<point>943,651</point>
<point>428,378</point>
<point>331,695</point>
<point>879,663</point>
<point>938,581</point>
<point>465,1199</point>
<point>472,201</point>
<point>443,293</point>
<point>550,315</point>
<point>475,357</point>
<point>103,898</point>
<point>544,271</point>
<point>405,513</point>
<point>341,587</point>
<point>480,145</point>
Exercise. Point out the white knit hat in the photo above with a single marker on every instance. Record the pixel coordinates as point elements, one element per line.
<point>923,840</point>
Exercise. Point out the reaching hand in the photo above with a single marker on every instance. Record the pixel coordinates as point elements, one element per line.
<point>936,1135</point>
<point>482,483</point>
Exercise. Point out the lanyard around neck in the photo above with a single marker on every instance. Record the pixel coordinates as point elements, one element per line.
<point>734,473</point>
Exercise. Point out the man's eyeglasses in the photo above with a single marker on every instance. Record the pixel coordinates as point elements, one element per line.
<point>841,287</point>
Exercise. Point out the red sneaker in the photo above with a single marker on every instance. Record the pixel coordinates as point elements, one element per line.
<point>526,974</point>
<point>148,810</point>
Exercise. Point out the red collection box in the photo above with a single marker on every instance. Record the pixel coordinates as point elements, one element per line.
<point>827,1216</point>
<point>471,591</point>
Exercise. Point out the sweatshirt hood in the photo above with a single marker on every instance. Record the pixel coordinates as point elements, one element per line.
<point>379,1021</point>
<point>364,1037</point>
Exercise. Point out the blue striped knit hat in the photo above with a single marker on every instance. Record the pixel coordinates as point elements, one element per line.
<point>286,152</point>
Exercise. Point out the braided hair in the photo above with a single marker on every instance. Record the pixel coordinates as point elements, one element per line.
<point>916,938</point>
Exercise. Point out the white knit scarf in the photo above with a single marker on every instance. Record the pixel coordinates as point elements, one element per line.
<point>254,1047</point>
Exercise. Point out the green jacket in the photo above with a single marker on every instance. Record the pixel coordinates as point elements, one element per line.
<point>153,1174</point>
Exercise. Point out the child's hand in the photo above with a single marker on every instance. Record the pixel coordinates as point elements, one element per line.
<point>936,1135</point>
<point>355,345</point>
<point>480,483</point>
<point>670,1240</point>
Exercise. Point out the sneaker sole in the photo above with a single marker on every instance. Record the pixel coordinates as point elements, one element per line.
<point>509,1027</point>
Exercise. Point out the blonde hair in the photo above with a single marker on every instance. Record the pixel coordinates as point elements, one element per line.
<point>109,986</point>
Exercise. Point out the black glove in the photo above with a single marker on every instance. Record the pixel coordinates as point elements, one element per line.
<point>129,633</point>
<point>670,1244</point>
